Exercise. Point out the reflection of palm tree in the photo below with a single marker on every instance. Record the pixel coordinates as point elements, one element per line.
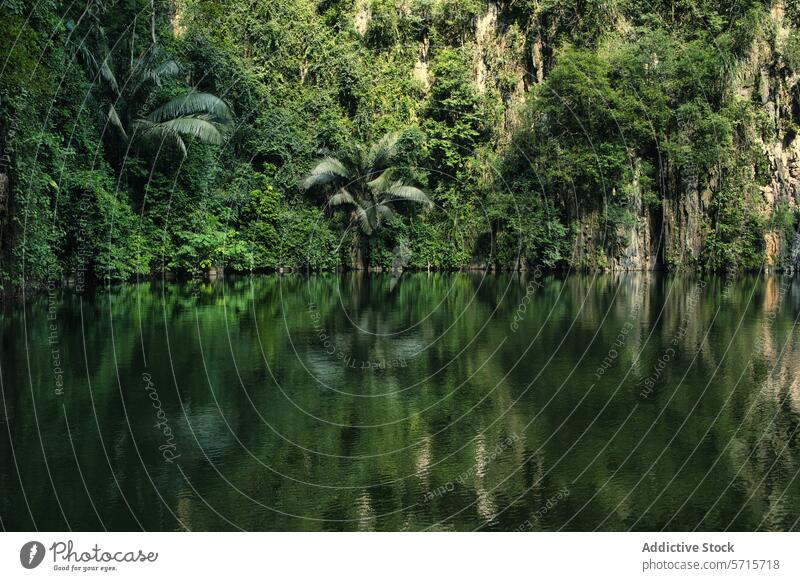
<point>364,182</point>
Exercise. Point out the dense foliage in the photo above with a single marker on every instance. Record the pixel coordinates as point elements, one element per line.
<point>519,119</point>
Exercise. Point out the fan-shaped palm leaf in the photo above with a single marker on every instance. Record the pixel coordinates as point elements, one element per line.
<point>342,197</point>
<point>382,182</point>
<point>317,180</point>
<point>192,104</point>
<point>98,68</point>
<point>331,165</point>
<point>155,72</point>
<point>382,152</point>
<point>384,212</point>
<point>114,119</point>
<point>326,171</point>
<point>198,127</point>
<point>363,219</point>
<point>168,68</point>
<point>108,75</point>
<point>401,191</point>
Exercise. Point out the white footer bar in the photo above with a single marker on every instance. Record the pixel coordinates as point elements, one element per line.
<point>401,556</point>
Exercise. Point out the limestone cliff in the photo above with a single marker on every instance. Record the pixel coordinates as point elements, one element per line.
<point>510,58</point>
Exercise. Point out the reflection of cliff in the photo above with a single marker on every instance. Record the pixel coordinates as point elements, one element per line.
<point>763,410</point>
<point>774,351</point>
<point>764,451</point>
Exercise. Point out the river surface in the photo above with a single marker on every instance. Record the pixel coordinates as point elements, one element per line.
<point>412,402</point>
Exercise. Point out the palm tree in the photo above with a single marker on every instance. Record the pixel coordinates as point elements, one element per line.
<point>363,181</point>
<point>191,114</point>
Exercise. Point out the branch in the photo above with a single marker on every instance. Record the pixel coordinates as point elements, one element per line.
<point>153,22</point>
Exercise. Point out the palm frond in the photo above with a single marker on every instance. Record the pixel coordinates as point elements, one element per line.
<point>150,134</point>
<point>331,165</point>
<point>314,181</point>
<point>384,212</point>
<point>363,219</point>
<point>193,104</point>
<point>145,73</point>
<point>155,63</point>
<point>382,182</point>
<point>108,75</point>
<point>382,152</point>
<point>197,127</point>
<point>98,69</point>
<point>179,143</point>
<point>326,171</point>
<point>400,191</point>
<point>114,119</point>
<point>342,197</point>
<point>168,68</point>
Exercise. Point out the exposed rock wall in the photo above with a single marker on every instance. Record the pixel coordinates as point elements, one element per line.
<point>763,77</point>
<point>511,55</point>
<point>671,234</point>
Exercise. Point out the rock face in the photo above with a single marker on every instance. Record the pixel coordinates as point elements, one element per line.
<point>684,209</point>
<point>363,16</point>
<point>485,27</point>
<point>777,94</point>
<point>500,62</point>
<point>671,234</point>
<point>421,65</point>
<point>675,235</point>
<point>640,250</point>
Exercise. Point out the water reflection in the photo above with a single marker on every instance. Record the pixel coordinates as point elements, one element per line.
<point>422,402</point>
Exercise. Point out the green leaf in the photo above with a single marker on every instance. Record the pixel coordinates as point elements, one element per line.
<point>401,191</point>
<point>193,104</point>
<point>176,129</point>
<point>326,171</point>
<point>342,197</point>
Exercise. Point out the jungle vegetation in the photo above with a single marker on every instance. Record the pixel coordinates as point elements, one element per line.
<point>365,182</point>
<point>139,137</point>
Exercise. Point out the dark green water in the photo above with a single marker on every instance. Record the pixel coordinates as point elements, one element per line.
<point>428,401</point>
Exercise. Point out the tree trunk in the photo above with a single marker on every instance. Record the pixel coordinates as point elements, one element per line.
<point>359,258</point>
<point>359,245</point>
<point>5,199</point>
<point>153,22</point>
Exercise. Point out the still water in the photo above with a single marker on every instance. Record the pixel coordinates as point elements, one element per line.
<point>412,402</point>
